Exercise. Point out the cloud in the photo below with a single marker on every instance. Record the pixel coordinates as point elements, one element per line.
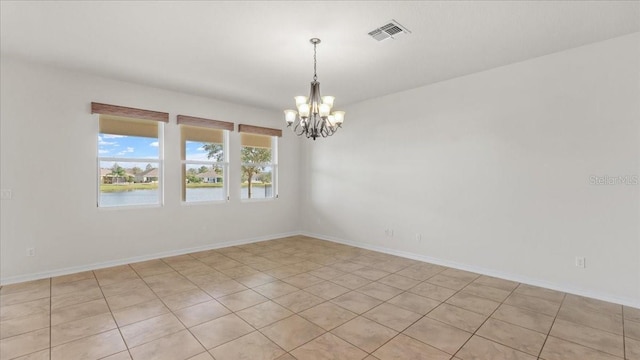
<point>154,144</point>
<point>129,149</point>
<point>111,136</point>
<point>101,151</point>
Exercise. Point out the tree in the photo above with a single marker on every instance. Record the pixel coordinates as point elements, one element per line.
<point>203,169</point>
<point>117,171</point>
<point>252,159</point>
<point>136,170</point>
<point>149,167</point>
<point>214,151</point>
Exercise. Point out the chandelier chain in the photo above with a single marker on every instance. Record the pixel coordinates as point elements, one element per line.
<point>315,73</point>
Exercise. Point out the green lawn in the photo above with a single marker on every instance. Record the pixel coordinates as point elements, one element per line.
<point>153,186</point>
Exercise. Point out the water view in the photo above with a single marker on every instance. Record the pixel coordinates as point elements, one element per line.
<point>151,197</point>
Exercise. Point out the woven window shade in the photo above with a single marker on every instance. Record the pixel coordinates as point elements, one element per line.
<point>256,136</point>
<point>199,134</point>
<point>118,125</point>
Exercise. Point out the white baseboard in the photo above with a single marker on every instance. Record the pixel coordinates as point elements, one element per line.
<point>489,272</point>
<point>106,264</point>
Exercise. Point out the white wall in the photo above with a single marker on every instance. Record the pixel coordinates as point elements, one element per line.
<point>48,159</point>
<point>493,170</point>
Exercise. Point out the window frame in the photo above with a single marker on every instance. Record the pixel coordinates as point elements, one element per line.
<point>273,164</point>
<point>224,164</point>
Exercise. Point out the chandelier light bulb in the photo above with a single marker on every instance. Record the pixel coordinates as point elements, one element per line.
<point>328,100</point>
<point>301,100</point>
<point>290,116</point>
<point>304,110</point>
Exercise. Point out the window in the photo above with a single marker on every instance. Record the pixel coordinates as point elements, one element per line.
<point>259,167</point>
<point>205,161</point>
<point>129,156</point>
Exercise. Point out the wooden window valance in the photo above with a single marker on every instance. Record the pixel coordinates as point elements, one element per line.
<point>127,112</point>
<point>208,123</point>
<point>259,130</point>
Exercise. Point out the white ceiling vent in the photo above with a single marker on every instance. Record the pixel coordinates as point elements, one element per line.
<point>390,30</point>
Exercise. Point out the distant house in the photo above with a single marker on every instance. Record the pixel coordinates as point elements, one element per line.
<point>210,177</point>
<point>147,176</point>
<point>108,178</point>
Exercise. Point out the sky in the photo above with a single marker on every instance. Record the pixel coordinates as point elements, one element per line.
<point>134,147</point>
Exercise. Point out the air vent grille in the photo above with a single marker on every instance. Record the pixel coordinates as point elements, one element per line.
<point>388,31</point>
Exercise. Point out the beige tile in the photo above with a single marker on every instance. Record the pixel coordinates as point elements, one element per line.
<point>632,314</point>
<point>602,321</point>
<point>496,283</point>
<point>542,293</point>
<point>458,317</point>
<point>432,291</point>
<point>478,348</point>
<point>38,355</point>
<point>115,274</point>
<point>151,268</point>
<point>404,348</point>
<point>170,283</point>
<point>327,273</point>
<point>76,297</point>
<point>224,288</point>
<point>124,355</point>
<point>532,303</point>
<point>275,289</point>
<point>40,306</point>
<point>139,312</point>
<point>632,329</point>
<point>74,286</point>
<point>130,298</point>
<point>151,329</point>
<point>327,290</point>
<point>356,302</point>
<point>380,291</point>
<point>200,313</point>
<point>254,280</point>
<point>392,316</point>
<point>415,303</point>
<point>347,266</point>
<point>178,346</point>
<point>525,318</point>
<point>370,273</point>
<point>208,277</point>
<point>589,337</point>
<point>592,304</point>
<point>487,292</point>
<point>632,349</point>
<point>239,271</point>
<point>447,282</point>
<point>298,301</point>
<point>328,347</point>
<point>557,349</point>
<point>438,334</point>
<point>519,338</point>
<point>292,332</point>
<point>24,344</point>
<point>473,303</point>
<point>27,286</point>
<point>124,287</point>
<point>221,330</point>
<point>286,357</point>
<point>328,315</point>
<point>23,324</point>
<point>185,299</point>
<point>264,314</point>
<point>350,281</point>
<point>398,281</point>
<point>11,298</point>
<point>283,272</point>
<point>460,274</point>
<point>419,273</point>
<point>77,329</point>
<point>91,347</point>
<point>79,311</point>
<point>253,346</point>
<point>364,333</point>
<point>303,280</point>
<point>242,300</point>
<point>202,356</point>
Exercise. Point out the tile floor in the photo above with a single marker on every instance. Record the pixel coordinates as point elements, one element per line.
<point>303,298</point>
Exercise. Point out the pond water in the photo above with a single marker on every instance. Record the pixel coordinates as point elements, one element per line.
<point>150,197</point>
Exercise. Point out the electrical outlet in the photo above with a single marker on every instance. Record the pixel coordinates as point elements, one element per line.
<point>418,237</point>
<point>580,262</point>
<point>31,251</point>
<point>388,232</point>
<point>6,194</point>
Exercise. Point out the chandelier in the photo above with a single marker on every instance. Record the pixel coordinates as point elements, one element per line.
<point>314,117</point>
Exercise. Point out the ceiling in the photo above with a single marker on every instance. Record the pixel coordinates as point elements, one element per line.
<point>258,53</point>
